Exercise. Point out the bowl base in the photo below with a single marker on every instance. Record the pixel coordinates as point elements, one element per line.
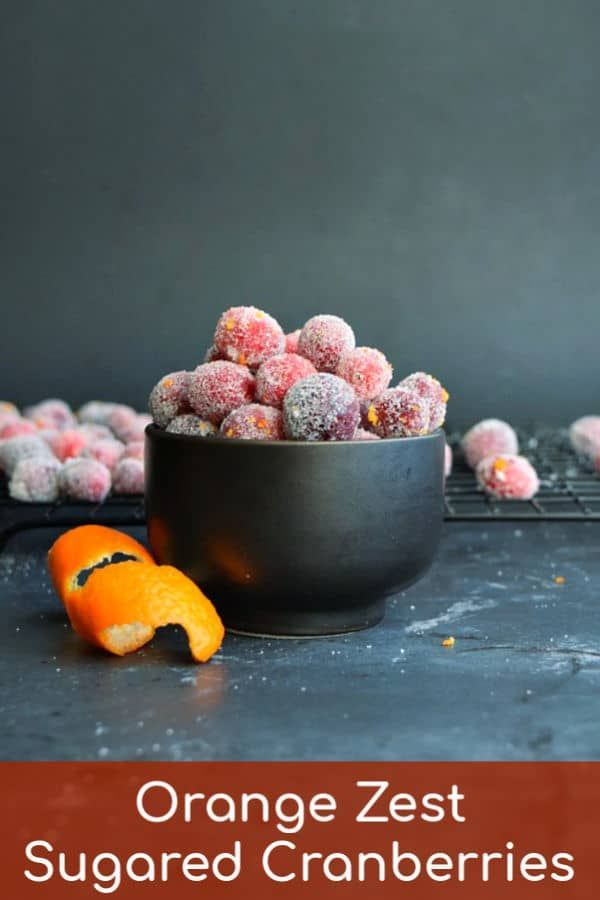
<point>304,624</point>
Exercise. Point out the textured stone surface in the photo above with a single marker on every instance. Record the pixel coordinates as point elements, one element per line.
<point>521,681</point>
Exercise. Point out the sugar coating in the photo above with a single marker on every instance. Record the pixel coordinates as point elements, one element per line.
<point>24,446</point>
<point>291,341</point>
<point>68,444</point>
<point>84,479</point>
<point>323,340</point>
<point>51,414</point>
<point>247,335</point>
<point>321,407</point>
<point>277,374</point>
<point>168,398</point>
<point>97,412</point>
<point>128,476</point>
<point>121,420</point>
<point>399,412</point>
<point>448,460</point>
<point>508,477</point>
<point>95,432</point>
<point>17,427</point>
<point>6,418</point>
<point>192,425</point>
<point>35,480</point>
<point>430,388</point>
<point>584,435</point>
<point>366,370</point>
<point>134,450</point>
<point>253,422</point>
<point>489,438</point>
<point>108,451</point>
<point>212,354</point>
<point>217,388</point>
<point>361,434</point>
<point>135,429</point>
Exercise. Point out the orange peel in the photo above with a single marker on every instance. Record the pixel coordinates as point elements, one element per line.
<point>85,548</point>
<point>120,607</point>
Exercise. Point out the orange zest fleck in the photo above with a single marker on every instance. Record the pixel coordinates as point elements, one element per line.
<point>448,642</point>
<point>242,359</point>
<point>230,324</point>
<point>445,395</point>
<point>372,415</point>
<point>168,382</point>
<point>500,464</point>
<point>559,579</point>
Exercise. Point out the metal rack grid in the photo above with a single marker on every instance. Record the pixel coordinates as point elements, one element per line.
<point>570,491</point>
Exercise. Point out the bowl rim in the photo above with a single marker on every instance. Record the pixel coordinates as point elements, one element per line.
<point>154,431</point>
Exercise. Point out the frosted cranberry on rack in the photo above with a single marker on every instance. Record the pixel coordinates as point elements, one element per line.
<point>489,438</point>
<point>508,476</point>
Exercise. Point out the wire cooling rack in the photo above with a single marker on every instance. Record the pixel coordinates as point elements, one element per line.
<point>569,491</point>
<point>569,488</point>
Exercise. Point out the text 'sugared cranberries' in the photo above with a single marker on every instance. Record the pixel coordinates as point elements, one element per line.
<point>68,444</point>
<point>97,412</point>
<point>321,407</point>
<point>35,480</point>
<point>253,422</point>
<point>489,437</point>
<point>366,370</point>
<point>108,451</point>
<point>248,336</point>
<point>17,427</point>
<point>430,389</point>
<point>217,388</point>
<point>324,340</point>
<point>291,341</point>
<point>361,434</point>
<point>192,425</point>
<point>51,414</point>
<point>584,435</point>
<point>84,479</point>
<point>128,476</point>
<point>277,374</point>
<point>168,398</point>
<point>448,460</point>
<point>23,446</point>
<point>508,477</point>
<point>134,450</point>
<point>399,412</point>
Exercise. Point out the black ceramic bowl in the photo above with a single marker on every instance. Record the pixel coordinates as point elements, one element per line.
<point>294,538</point>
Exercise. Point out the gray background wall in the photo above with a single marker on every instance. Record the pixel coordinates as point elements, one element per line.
<point>428,169</point>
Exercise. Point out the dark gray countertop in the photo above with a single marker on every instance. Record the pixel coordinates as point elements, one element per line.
<point>522,681</point>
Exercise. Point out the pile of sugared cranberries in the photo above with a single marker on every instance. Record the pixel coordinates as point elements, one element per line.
<point>256,382</point>
<point>491,448</point>
<point>49,451</point>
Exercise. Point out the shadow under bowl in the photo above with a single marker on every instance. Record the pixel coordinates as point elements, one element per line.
<point>294,538</point>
